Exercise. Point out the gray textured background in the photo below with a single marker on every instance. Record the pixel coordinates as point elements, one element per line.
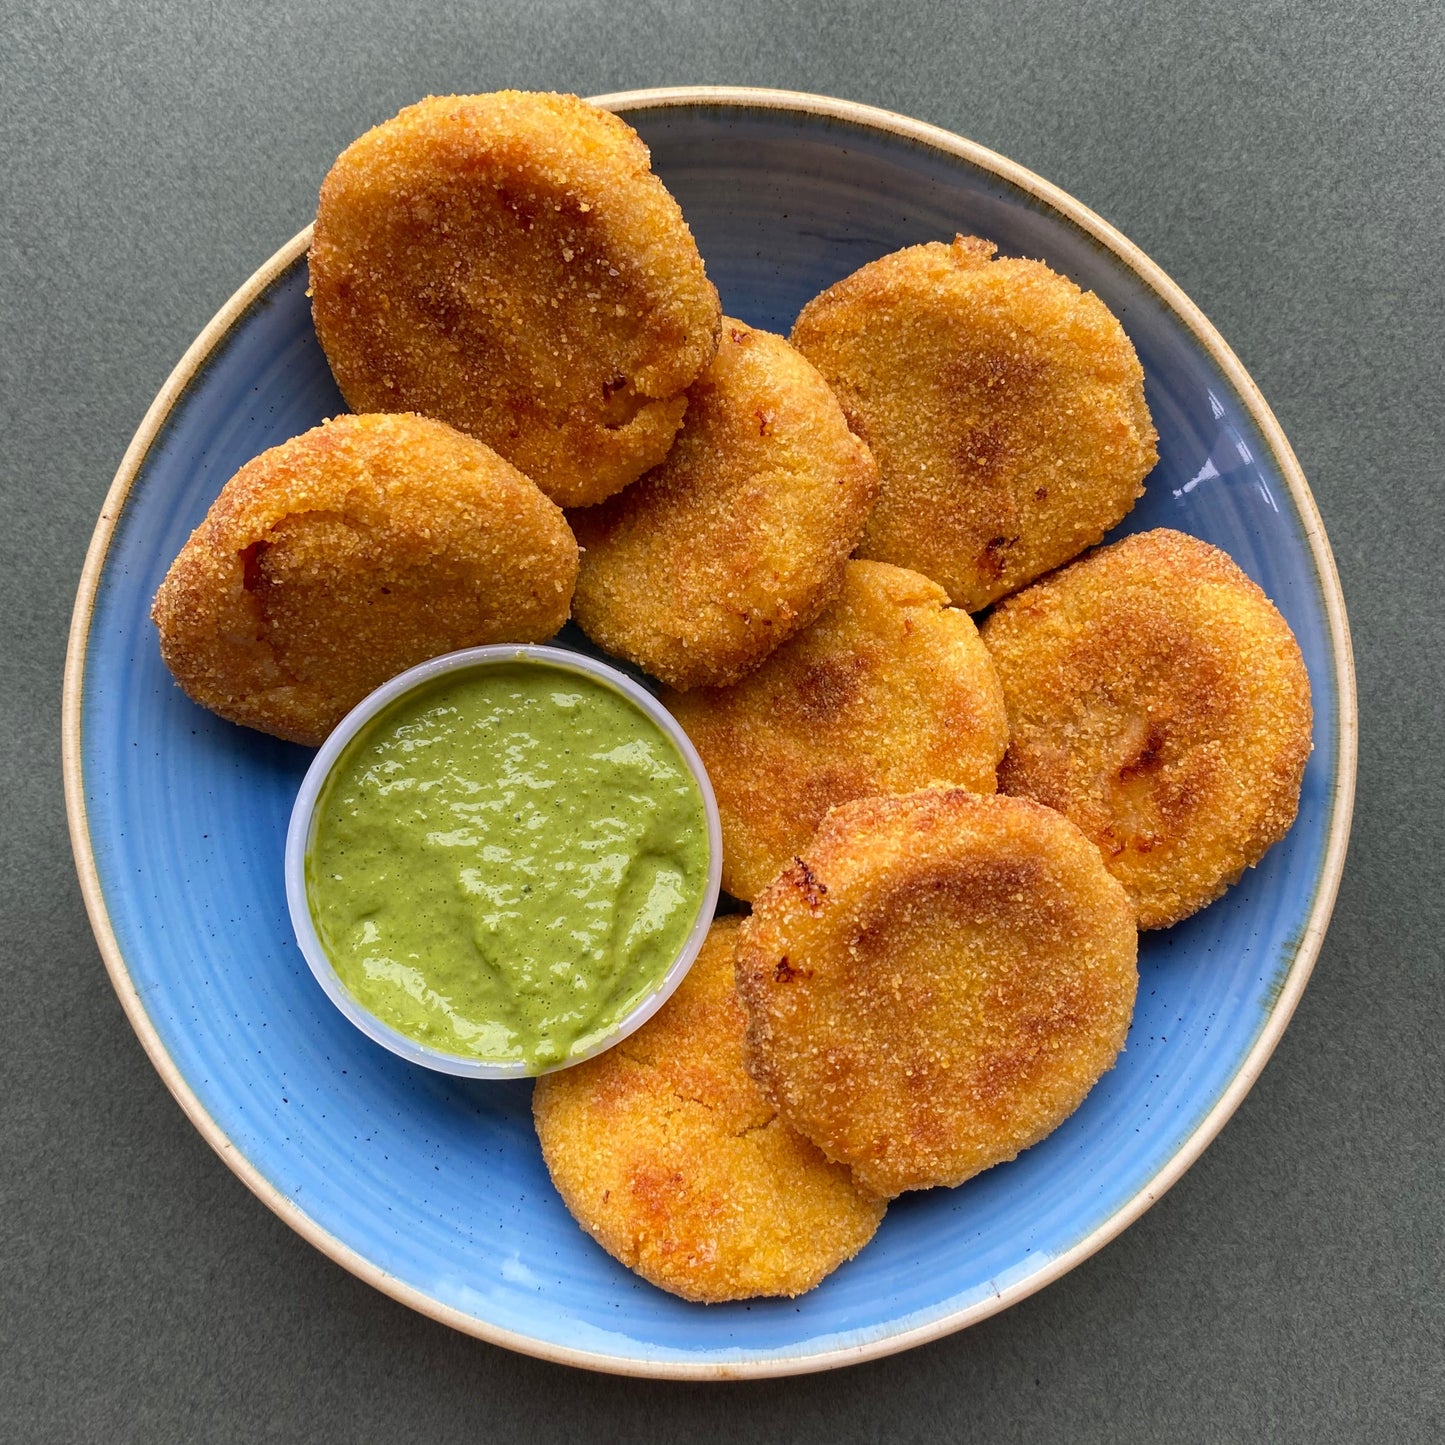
<point>1285,163</point>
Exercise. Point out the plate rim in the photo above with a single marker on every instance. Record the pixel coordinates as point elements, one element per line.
<point>929,136</point>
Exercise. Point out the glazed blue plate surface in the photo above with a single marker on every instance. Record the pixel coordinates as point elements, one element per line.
<point>433,1188</point>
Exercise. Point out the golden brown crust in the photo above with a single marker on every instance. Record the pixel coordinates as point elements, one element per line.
<point>509,264</point>
<point>1159,700</point>
<point>1004,406</point>
<point>346,555</point>
<point>738,540</point>
<point>936,983</point>
<point>888,691</point>
<point>667,1154</point>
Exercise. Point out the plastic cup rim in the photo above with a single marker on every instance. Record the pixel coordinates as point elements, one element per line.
<point>303,812</point>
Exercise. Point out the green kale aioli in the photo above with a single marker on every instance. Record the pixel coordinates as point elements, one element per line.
<point>505,862</point>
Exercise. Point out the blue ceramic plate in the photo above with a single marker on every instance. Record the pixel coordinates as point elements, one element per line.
<point>431,1187</point>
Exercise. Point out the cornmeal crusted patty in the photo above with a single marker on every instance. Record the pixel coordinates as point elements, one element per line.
<point>889,690</point>
<point>509,264</point>
<point>715,558</point>
<point>1159,700</point>
<point>936,983</point>
<point>346,555</point>
<point>739,538</point>
<point>667,1154</point>
<point>1004,406</point>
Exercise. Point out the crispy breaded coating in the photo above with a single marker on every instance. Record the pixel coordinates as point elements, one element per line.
<point>1004,406</point>
<point>935,983</point>
<point>670,1158</point>
<point>738,539</point>
<point>1159,700</point>
<point>508,263</point>
<point>888,691</point>
<point>346,555</point>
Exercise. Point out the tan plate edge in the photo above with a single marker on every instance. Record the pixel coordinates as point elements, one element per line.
<point>867,117</point>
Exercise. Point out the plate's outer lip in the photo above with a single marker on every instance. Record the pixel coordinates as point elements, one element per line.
<point>869,118</point>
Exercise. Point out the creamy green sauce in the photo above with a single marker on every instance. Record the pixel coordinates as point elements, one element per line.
<point>505,862</point>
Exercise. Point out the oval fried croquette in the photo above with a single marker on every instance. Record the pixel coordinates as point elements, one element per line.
<point>888,691</point>
<point>342,557</point>
<point>667,1154</point>
<point>508,263</point>
<point>1004,406</point>
<point>738,540</point>
<point>936,983</point>
<point>1160,701</point>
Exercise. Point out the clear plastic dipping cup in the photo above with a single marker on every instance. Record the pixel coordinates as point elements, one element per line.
<point>303,814</point>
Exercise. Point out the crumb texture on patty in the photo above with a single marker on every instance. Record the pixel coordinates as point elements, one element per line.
<point>342,557</point>
<point>509,264</point>
<point>714,559</point>
<point>888,691</point>
<point>936,983</point>
<point>667,1154</point>
<point>1004,406</point>
<point>1159,700</point>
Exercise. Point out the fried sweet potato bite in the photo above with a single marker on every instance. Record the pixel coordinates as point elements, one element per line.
<point>346,555</point>
<point>1160,701</point>
<point>888,691</point>
<point>697,572</point>
<point>935,983</point>
<point>508,263</point>
<point>668,1156</point>
<point>1004,406</point>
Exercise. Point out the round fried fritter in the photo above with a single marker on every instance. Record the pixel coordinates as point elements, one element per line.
<point>936,983</point>
<point>1005,408</point>
<point>1159,700</point>
<point>667,1154</point>
<point>888,691</point>
<point>509,264</point>
<point>346,555</point>
<point>738,539</point>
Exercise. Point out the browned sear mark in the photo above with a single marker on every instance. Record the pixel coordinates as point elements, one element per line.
<point>806,882</point>
<point>991,559</point>
<point>1149,758</point>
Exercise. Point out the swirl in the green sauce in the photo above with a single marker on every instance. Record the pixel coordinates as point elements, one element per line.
<point>505,862</point>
